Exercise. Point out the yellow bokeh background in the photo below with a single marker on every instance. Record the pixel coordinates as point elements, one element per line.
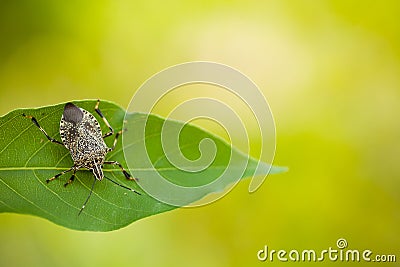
<point>329,69</point>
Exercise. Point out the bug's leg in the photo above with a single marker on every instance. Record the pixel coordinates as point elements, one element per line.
<point>70,179</point>
<point>115,140</point>
<point>61,173</point>
<point>127,175</point>
<point>98,111</point>
<point>42,130</point>
<point>123,186</point>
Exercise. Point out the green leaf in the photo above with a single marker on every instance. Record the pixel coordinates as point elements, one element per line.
<point>27,159</point>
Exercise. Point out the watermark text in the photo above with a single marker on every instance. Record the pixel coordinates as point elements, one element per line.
<point>338,253</point>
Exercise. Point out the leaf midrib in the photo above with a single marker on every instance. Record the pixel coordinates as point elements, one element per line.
<point>106,170</point>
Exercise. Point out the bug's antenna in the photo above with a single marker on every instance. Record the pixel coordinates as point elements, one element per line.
<point>123,186</point>
<point>86,201</point>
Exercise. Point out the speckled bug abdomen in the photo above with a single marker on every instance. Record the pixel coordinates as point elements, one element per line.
<point>81,134</point>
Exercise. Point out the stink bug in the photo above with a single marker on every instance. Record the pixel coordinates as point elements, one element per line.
<point>81,134</point>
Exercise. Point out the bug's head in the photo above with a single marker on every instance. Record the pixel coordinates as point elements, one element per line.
<point>72,113</point>
<point>97,171</point>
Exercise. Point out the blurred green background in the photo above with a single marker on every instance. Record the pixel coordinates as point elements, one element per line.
<point>329,69</point>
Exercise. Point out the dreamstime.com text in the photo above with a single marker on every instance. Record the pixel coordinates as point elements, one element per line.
<point>339,253</point>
